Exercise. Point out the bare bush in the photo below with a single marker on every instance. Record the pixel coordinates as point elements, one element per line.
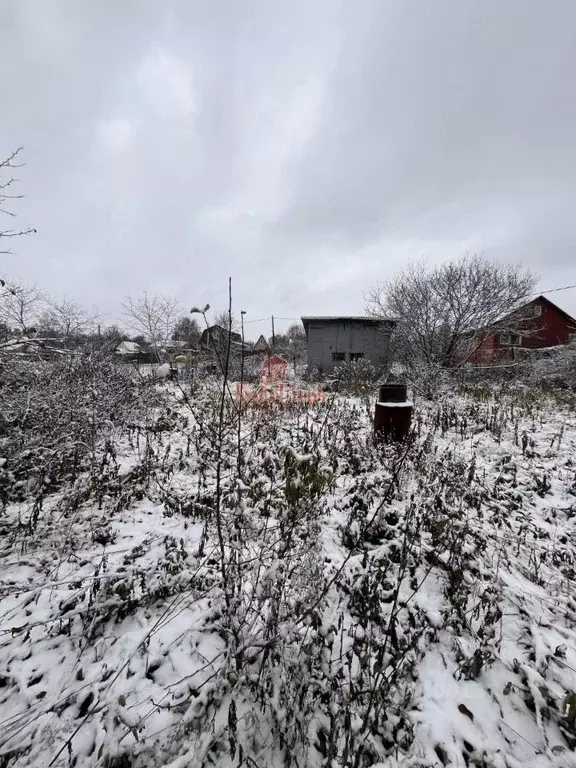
<point>295,587</point>
<point>556,365</point>
<point>56,417</point>
<point>357,377</point>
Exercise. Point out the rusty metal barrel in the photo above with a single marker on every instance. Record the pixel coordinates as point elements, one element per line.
<point>393,414</point>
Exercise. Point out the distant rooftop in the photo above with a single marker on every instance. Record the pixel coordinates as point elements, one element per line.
<point>128,348</point>
<point>307,320</point>
<point>348,318</point>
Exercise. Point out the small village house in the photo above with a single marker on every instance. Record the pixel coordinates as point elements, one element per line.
<point>134,353</point>
<point>128,348</point>
<point>539,324</point>
<point>336,340</point>
<point>216,337</point>
<point>261,346</point>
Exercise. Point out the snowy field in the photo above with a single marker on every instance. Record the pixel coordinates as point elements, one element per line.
<point>277,591</point>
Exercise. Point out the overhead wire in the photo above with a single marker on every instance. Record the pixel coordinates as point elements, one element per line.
<point>553,290</point>
<point>534,293</point>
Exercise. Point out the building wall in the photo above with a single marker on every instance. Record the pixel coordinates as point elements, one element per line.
<point>549,329</point>
<point>485,352</point>
<point>346,338</point>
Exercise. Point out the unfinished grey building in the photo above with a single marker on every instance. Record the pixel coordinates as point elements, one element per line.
<point>333,341</point>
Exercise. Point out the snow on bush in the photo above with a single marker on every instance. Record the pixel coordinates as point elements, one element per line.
<point>271,588</point>
<point>57,418</point>
<point>163,371</point>
<point>356,378</point>
<point>557,364</point>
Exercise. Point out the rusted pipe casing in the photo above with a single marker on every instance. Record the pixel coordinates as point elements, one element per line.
<point>392,393</point>
<point>393,414</point>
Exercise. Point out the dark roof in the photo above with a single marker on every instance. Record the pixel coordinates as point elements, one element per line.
<point>360,319</point>
<point>215,333</point>
<point>261,344</point>
<point>514,314</point>
<point>353,318</point>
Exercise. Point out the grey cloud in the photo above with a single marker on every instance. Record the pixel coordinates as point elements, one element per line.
<point>306,149</point>
<point>452,104</point>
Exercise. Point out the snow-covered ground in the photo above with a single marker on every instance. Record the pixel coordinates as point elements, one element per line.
<point>353,605</point>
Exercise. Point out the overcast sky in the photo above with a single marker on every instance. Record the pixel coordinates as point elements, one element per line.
<point>306,149</point>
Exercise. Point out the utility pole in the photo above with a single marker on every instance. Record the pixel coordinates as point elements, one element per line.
<point>242,313</point>
<point>273,334</point>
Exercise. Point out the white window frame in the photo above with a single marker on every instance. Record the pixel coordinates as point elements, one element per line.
<point>506,340</point>
<point>537,310</point>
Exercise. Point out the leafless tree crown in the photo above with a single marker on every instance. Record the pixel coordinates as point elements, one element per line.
<point>7,195</point>
<point>65,319</point>
<point>444,311</point>
<point>152,316</point>
<point>224,319</point>
<point>20,306</point>
<point>187,329</point>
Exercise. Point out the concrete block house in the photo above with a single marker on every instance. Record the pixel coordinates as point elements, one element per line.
<point>334,341</point>
<point>539,324</point>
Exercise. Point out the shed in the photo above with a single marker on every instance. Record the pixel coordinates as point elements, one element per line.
<point>336,340</point>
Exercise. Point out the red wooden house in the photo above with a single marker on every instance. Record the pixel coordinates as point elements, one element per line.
<point>536,325</point>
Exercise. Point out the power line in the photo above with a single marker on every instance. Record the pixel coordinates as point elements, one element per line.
<point>535,293</point>
<point>267,319</point>
<point>553,290</point>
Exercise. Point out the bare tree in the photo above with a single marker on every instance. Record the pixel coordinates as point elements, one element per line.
<point>153,316</point>
<point>112,336</point>
<point>20,306</point>
<point>224,319</point>
<point>296,332</point>
<point>6,195</point>
<point>187,330</point>
<point>444,312</point>
<point>65,319</point>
